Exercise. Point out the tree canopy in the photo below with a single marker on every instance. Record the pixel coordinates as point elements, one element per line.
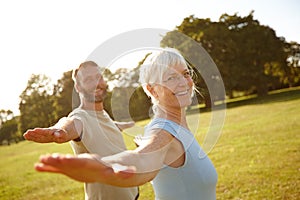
<point>249,56</point>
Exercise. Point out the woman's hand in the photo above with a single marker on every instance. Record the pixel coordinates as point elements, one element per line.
<point>84,167</point>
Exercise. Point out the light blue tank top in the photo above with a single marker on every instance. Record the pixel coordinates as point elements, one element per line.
<point>195,180</point>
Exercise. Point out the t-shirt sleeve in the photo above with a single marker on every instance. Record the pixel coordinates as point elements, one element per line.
<point>76,115</point>
<point>161,124</point>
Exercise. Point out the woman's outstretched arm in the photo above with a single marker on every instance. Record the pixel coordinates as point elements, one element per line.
<point>125,169</point>
<point>83,167</point>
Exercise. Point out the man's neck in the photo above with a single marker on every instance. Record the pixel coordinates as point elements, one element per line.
<point>92,106</point>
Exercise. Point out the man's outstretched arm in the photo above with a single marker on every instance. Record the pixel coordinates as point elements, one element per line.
<point>124,125</point>
<point>64,130</point>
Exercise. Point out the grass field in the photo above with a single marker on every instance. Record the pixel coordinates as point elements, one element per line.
<point>257,155</point>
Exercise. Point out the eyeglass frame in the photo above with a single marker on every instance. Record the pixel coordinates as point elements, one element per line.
<point>172,78</point>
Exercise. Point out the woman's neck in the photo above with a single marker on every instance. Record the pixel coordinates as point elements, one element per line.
<point>175,115</point>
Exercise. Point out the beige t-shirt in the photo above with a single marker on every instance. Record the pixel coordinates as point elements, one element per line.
<point>100,136</point>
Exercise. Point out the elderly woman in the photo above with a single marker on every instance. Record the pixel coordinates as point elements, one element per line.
<point>168,154</point>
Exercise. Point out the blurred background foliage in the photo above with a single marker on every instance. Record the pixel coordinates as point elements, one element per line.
<point>250,57</point>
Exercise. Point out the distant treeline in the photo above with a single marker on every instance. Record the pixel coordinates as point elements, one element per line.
<point>249,56</point>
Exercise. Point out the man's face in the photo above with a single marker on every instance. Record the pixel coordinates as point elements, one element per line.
<point>92,86</point>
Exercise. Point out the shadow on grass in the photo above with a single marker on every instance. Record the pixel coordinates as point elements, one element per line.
<point>272,97</point>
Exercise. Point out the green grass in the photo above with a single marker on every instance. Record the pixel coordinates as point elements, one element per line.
<point>257,155</point>
<point>18,180</point>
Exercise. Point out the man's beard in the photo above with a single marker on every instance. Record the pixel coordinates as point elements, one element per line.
<point>94,98</point>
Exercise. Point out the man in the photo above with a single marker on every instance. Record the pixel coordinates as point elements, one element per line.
<point>89,130</point>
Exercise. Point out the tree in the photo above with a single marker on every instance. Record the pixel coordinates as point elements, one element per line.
<point>250,56</point>
<point>291,75</point>
<point>36,104</point>
<point>9,131</point>
<point>127,99</point>
<point>206,74</point>
<point>260,47</point>
<point>139,105</point>
<point>5,115</point>
<point>65,96</point>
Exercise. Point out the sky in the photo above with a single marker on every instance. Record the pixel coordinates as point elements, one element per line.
<point>52,37</point>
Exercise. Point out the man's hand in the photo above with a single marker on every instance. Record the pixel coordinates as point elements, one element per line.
<point>46,135</point>
<point>65,130</point>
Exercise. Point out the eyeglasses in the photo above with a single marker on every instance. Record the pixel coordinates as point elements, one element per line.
<point>174,78</point>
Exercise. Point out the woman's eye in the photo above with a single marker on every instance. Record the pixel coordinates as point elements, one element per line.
<point>171,78</point>
<point>187,74</point>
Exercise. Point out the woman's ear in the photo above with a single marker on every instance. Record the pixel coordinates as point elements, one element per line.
<point>151,90</point>
<point>77,88</point>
